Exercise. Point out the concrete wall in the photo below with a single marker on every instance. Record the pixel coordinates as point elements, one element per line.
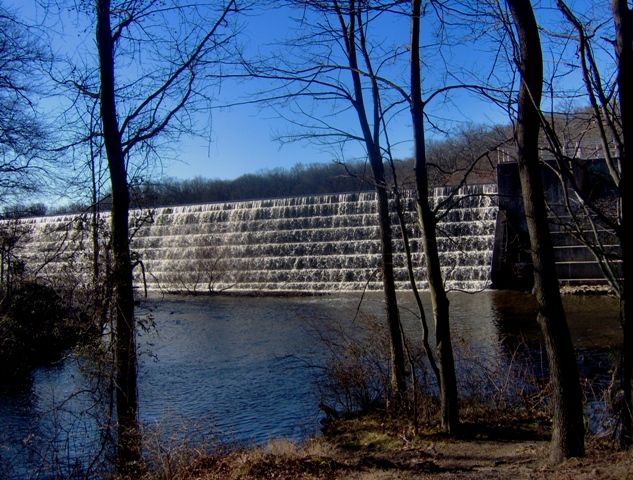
<point>576,264</point>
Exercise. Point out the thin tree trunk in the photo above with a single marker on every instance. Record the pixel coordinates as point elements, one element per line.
<point>398,368</point>
<point>426,219</point>
<point>128,441</point>
<point>412,281</point>
<point>623,17</point>
<point>94,211</point>
<point>397,350</point>
<point>567,423</point>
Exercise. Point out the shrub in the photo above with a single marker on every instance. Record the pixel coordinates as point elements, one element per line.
<point>36,326</point>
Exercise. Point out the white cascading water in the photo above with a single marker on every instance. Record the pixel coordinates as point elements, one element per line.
<point>323,243</point>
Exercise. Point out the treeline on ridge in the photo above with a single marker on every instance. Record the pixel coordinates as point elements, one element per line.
<point>471,152</point>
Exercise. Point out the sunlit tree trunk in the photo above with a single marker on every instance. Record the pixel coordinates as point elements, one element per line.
<point>567,423</point>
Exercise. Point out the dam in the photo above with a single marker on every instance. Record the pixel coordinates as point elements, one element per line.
<point>318,243</point>
<point>311,244</point>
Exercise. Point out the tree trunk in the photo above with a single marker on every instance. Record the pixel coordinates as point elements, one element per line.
<point>426,219</point>
<point>128,441</point>
<point>397,350</point>
<point>567,423</point>
<point>94,211</point>
<point>398,368</point>
<point>623,17</point>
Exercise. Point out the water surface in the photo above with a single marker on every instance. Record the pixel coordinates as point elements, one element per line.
<point>244,369</point>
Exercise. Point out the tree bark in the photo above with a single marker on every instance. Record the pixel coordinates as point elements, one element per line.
<point>128,441</point>
<point>567,422</point>
<point>426,218</point>
<point>623,17</point>
<point>397,350</point>
<point>398,368</point>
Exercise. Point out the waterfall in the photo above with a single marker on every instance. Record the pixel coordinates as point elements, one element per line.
<point>322,243</point>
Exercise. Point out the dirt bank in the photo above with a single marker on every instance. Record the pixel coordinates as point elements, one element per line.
<point>368,449</point>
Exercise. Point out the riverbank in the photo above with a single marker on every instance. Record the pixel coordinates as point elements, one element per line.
<point>38,325</point>
<point>221,369</point>
<point>373,448</point>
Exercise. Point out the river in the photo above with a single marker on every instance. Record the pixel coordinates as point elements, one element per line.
<point>245,369</point>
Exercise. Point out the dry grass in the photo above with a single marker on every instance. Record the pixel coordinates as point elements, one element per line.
<point>279,459</point>
<point>373,447</point>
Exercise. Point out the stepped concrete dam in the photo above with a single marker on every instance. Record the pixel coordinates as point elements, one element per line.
<point>310,244</point>
<point>322,243</point>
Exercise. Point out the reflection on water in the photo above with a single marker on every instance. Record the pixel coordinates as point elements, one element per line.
<point>593,320</point>
<point>238,369</point>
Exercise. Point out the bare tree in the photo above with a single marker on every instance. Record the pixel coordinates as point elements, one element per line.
<point>22,131</point>
<point>374,98</point>
<point>126,390</point>
<point>607,123</point>
<point>12,234</point>
<point>567,423</point>
<point>351,26</point>
<point>130,120</point>
<point>427,221</point>
<point>587,149</point>
<point>338,70</point>
<point>623,18</point>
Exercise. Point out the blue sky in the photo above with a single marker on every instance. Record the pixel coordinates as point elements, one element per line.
<point>241,139</point>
